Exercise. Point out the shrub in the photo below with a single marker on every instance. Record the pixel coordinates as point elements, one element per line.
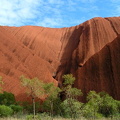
<point>88,112</point>
<point>16,108</point>
<point>45,116</point>
<point>7,98</point>
<point>75,108</point>
<point>109,106</point>
<point>28,107</point>
<point>46,106</point>
<point>5,111</point>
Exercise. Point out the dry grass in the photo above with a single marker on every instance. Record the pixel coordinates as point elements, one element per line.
<point>23,117</point>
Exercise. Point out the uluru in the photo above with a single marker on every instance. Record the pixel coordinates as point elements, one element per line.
<point>90,51</point>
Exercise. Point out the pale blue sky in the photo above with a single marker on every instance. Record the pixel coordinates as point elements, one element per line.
<point>55,13</point>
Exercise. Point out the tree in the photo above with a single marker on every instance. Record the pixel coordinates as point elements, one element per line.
<point>99,105</point>
<point>1,83</point>
<point>109,107</point>
<point>94,102</point>
<point>71,94</point>
<point>75,108</point>
<point>34,89</point>
<point>52,96</point>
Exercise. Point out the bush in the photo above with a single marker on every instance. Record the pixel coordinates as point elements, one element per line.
<point>5,111</point>
<point>89,112</point>
<point>46,106</point>
<point>73,111</point>
<point>16,108</point>
<point>109,106</point>
<point>28,107</point>
<point>45,116</point>
<point>7,98</point>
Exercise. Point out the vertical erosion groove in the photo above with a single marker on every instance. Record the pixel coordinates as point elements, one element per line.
<point>112,26</point>
<point>73,39</point>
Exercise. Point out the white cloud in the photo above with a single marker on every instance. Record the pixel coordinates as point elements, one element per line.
<point>49,13</point>
<point>50,22</point>
<point>17,11</point>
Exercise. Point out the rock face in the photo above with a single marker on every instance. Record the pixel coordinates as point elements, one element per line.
<point>90,51</point>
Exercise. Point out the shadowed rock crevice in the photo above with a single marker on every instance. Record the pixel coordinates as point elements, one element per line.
<point>66,58</point>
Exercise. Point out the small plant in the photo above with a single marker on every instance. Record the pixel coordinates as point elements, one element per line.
<point>31,117</point>
<point>45,116</point>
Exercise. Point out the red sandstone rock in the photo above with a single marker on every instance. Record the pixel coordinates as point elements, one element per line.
<point>90,51</point>
<point>102,71</point>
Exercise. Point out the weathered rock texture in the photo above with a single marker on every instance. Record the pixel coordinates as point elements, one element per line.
<point>90,51</point>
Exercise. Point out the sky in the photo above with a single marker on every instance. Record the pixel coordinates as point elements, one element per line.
<point>55,13</point>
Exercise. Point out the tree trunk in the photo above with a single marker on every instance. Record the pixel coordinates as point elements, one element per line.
<point>33,100</point>
<point>51,109</point>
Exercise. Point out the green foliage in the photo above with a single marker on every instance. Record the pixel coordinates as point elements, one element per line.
<point>99,105</point>
<point>108,106</point>
<point>31,117</point>
<point>72,92</point>
<point>5,111</point>
<point>94,101</point>
<point>68,89</point>
<point>34,89</point>
<point>45,116</point>
<point>52,100</point>
<point>71,106</point>
<point>51,91</point>
<point>28,107</point>
<point>16,108</point>
<point>118,105</point>
<point>68,79</point>
<point>34,86</point>
<point>46,106</point>
<point>89,111</point>
<point>75,108</point>
<point>7,98</point>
